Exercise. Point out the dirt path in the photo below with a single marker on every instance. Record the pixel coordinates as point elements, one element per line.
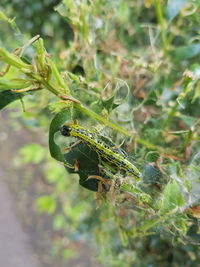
<point>15,249</point>
<point>26,237</point>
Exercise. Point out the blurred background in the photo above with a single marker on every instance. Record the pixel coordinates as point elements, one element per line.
<point>147,52</point>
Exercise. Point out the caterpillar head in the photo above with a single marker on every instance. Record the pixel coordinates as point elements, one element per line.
<point>66,130</point>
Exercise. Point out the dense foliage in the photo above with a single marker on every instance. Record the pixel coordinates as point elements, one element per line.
<point>130,70</point>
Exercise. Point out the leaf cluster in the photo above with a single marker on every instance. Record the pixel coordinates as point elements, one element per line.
<point>132,71</point>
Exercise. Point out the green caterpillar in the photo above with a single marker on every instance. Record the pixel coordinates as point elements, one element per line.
<point>105,151</point>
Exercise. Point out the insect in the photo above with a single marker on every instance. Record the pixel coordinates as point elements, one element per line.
<point>105,151</point>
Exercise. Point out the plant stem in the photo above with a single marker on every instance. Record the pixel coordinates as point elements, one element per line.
<point>159,14</point>
<point>147,144</point>
<point>27,69</point>
<point>46,84</point>
<point>14,60</point>
<point>100,118</point>
<point>170,116</point>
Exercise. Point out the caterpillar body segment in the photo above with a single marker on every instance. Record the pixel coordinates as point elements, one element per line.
<point>105,151</point>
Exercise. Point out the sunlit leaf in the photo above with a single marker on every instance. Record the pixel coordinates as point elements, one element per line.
<point>172,197</point>
<point>59,221</point>
<point>13,84</point>
<point>46,204</point>
<point>33,153</point>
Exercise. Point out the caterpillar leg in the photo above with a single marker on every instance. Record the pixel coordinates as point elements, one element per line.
<point>71,146</point>
<point>70,166</point>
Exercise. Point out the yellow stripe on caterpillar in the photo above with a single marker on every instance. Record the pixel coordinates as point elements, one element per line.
<point>105,151</point>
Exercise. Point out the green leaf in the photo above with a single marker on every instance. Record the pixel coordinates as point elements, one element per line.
<point>13,84</point>
<point>124,237</point>
<point>46,204</point>
<point>120,95</point>
<point>181,224</point>
<point>123,12</point>
<point>55,125</point>
<point>88,164</point>
<point>33,153</point>
<point>7,97</point>
<point>53,173</point>
<point>59,222</point>
<point>109,103</point>
<point>172,197</point>
<point>196,92</point>
<point>76,212</point>
<point>186,52</point>
<point>69,254</point>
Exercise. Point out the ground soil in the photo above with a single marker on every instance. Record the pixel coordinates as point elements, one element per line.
<point>25,235</point>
